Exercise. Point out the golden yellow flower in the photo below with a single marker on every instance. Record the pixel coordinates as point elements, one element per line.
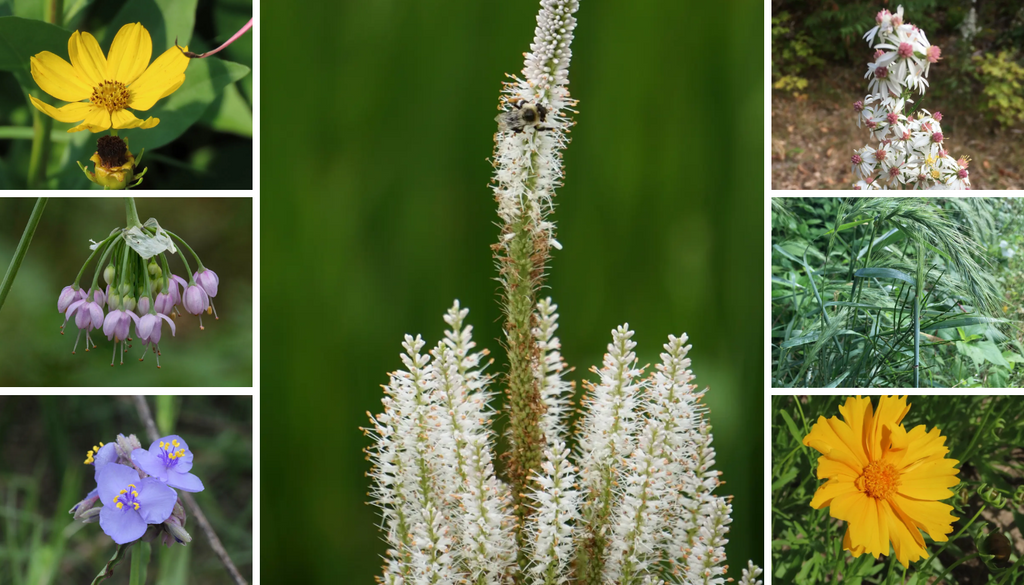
<point>110,84</point>
<point>883,480</point>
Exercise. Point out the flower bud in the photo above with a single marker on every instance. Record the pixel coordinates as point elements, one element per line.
<point>154,269</point>
<point>144,305</point>
<point>114,164</point>
<point>89,516</point>
<point>109,273</point>
<point>124,288</point>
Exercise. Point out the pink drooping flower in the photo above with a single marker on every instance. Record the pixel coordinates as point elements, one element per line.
<point>195,301</point>
<point>89,316</point>
<point>116,327</point>
<point>68,295</point>
<point>149,332</point>
<point>208,280</point>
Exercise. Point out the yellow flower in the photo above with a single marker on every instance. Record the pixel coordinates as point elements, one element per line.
<point>883,480</point>
<point>110,84</point>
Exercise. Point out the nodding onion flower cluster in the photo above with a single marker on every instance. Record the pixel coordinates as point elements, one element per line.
<point>135,488</point>
<point>910,151</point>
<point>140,290</point>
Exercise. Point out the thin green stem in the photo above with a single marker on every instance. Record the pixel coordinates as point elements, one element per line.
<point>22,249</point>
<point>99,247</point>
<point>131,213</point>
<point>41,127</point>
<point>189,248</point>
<point>119,555</point>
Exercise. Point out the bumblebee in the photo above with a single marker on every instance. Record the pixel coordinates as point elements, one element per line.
<point>522,115</point>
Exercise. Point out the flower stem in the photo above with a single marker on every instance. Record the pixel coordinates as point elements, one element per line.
<point>22,249</point>
<point>131,213</point>
<point>42,125</point>
<point>108,569</point>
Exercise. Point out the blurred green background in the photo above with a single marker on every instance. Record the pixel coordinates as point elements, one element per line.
<point>377,215</point>
<point>36,354</point>
<point>42,476</point>
<point>204,139</point>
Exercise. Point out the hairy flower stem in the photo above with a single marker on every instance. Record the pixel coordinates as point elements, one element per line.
<point>22,249</point>
<point>119,555</point>
<point>522,272</point>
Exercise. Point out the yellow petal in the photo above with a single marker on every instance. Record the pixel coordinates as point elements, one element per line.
<point>73,112</point>
<point>150,122</point>
<point>831,490</point>
<point>906,538</point>
<point>87,58</point>
<point>58,78</point>
<point>932,517</point>
<point>838,464</point>
<point>123,119</point>
<point>129,53</point>
<point>98,120</point>
<point>160,80</point>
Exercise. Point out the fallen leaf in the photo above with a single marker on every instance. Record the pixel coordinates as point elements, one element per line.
<point>828,153</point>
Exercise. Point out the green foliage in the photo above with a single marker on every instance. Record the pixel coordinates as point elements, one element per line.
<point>864,290</point>
<point>983,433</point>
<point>1001,79</point>
<point>792,55</point>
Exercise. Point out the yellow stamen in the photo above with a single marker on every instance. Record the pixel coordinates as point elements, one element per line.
<point>135,493</point>
<point>112,95</point>
<point>120,505</point>
<point>879,480</point>
<point>136,505</point>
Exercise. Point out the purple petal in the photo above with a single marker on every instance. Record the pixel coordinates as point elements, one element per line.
<point>181,464</point>
<point>110,323</point>
<point>112,478</point>
<point>145,326</point>
<point>71,310</point>
<point>97,315</point>
<point>151,464</point>
<point>169,322</point>
<point>185,482</point>
<point>106,454</point>
<point>124,525</point>
<point>156,500</point>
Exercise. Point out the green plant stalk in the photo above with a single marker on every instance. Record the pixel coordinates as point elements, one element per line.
<point>131,213</point>
<point>42,125</point>
<point>108,569</point>
<point>22,249</point>
<point>140,563</point>
<point>917,315</point>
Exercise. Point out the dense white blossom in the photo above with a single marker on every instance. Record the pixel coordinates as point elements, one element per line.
<point>910,151</point>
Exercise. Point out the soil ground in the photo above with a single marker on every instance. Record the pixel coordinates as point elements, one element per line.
<point>814,135</point>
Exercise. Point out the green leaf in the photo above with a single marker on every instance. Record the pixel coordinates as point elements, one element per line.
<point>230,113</point>
<point>793,430</point>
<point>21,38</point>
<point>140,562</point>
<point>885,273</point>
<point>164,19</point>
<point>785,478</point>
<point>960,322</point>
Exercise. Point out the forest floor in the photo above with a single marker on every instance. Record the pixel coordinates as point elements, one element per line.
<point>814,135</point>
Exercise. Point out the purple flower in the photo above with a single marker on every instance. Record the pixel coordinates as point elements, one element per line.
<point>117,324</point>
<point>169,460</point>
<point>130,503</point>
<point>89,317</point>
<point>68,295</point>
<point>149,332</point>
<point>208,280</point>
<point>195,299</point>
<point>144,303</point>
<point>175,291</point>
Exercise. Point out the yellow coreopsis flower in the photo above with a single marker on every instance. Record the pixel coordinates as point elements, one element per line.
<point>883,480</point>
<point>111,84</point>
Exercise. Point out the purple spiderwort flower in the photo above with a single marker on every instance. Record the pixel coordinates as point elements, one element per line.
<point>169,460</point>
<point>130,504</point>
<point>89,317</point>
<point>149,332</point>
<point>98,457</point>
